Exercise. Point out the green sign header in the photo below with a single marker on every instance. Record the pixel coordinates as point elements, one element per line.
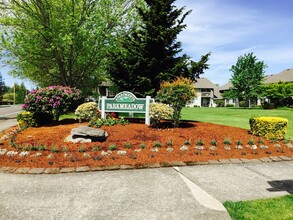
<point>125,102</point>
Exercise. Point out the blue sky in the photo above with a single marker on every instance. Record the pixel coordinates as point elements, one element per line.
<point>231,28</point>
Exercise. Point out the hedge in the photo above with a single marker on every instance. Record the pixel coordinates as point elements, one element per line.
<point>269,127</point>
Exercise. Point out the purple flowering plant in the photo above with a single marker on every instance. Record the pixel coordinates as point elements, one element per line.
<point>53,100</point>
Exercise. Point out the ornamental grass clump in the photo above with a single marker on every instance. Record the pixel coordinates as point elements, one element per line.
<point>87,111</point>
<point>50,102</point>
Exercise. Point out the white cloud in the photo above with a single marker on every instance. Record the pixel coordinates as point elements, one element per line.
<point>229,30</point>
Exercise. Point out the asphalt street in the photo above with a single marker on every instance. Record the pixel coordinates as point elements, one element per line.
<point>8,115</point>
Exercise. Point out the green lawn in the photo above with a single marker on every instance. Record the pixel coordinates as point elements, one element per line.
<point>237,117</point>
<point>266,209</point>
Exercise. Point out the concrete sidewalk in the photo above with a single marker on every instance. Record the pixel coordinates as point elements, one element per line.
<point>236,182</point>
<point>130,194</point>
<point>194,192</point>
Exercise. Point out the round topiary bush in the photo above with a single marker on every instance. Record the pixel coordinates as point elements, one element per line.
<point>50,102</point>
<point>87,111</point>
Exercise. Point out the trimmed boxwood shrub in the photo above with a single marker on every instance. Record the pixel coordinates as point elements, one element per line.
<point>269,127</point>
<point>87,111</point>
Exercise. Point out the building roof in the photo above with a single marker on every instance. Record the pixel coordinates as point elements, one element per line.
<point>284,76</point>
<point>217,93</point>
<point>227,86</point>
<point>203,83</point>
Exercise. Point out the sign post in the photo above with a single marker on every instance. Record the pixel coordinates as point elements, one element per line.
<point>126,102</point>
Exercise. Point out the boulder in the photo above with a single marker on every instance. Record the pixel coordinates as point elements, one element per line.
<point>84,134</point>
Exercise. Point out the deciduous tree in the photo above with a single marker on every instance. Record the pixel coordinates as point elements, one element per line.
<point>62,42</point>
<point>280,93</point>
<point>247,77</point>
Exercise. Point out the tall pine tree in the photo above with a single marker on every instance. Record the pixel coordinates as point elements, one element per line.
<point>151,54</point>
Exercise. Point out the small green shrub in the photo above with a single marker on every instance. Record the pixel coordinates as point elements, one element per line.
<point>157,144</point>
<point>238,142</point>
<point>159,111</point>
<point>169,142</point>
<point>227,141</point>
<point>230,105</point>
<point>268,105</point>
<point>26,119</point>
<point>87,111</point>
<point>81,149</point>
<point>250,142</point>
<point>34,148</point>
<point>64,149</point>
<point>269,127</point>
<point>242,104</point>
<point>112,147</point>
<point>107,122</point>
<point>127,145</point>
<point>96,148</point>
<point>142,146</point>
<point>220,103</point>
<point>42,148</point>
<point>54,150</point>
<point>199,142</point>
<point>213,142</point>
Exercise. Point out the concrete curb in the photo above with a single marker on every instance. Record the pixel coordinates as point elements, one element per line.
<point>39,170</point>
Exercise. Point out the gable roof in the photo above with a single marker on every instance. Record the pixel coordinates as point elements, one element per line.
<point>284,76</point>
<point>227,86</point>
<point>204,83</point>
<point>217,93</point>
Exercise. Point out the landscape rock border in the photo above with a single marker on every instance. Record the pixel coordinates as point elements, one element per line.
<point>27,170</point>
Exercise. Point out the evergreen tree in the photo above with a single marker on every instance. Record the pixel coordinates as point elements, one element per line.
<point>151,54</point>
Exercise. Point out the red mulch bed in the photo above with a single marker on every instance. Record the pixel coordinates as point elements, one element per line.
<point>135,133</point>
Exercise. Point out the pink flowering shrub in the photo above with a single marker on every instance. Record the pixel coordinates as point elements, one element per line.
<point>52,101</point>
